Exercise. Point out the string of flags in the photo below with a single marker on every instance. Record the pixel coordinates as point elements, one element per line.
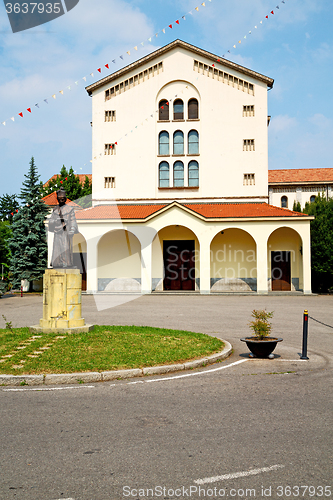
<point>128,52</point>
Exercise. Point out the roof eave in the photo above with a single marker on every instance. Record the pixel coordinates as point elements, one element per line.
<point>163,50</point>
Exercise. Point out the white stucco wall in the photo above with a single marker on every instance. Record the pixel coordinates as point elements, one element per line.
<point>222,129</point>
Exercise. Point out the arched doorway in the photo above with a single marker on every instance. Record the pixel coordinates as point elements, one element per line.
<point>285,262</point>
<point>175,259</point>
<point>233,261</point>
<point>119,262</point>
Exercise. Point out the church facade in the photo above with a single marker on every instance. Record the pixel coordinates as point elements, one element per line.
<point>180,182</point>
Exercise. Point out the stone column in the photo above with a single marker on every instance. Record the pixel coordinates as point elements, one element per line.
<point>262,264</point>
<point>205,266</point>
<point>146,269</point>
<point>92,280</point>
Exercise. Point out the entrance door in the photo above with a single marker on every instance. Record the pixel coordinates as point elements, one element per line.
<point>179,265</point>
<point>281,274</point>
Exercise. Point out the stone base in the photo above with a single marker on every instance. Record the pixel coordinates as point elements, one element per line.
<point>62,302</point>
<point>75,329</point>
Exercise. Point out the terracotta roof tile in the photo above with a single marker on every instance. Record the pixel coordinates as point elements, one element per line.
<point>299,175</point>
<point>119,211</point>
<point>51,200</point>
<point>207,210</point>
<point>239,210</point>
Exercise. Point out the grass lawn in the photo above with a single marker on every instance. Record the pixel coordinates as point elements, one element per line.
<point>105,348</point>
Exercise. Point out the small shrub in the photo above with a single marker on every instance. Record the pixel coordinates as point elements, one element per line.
<point>260,325</point>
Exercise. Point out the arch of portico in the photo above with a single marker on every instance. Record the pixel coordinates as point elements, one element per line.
<point>175,259</point>
<point>251,241</point>
<point>285,260</point>
<point>233,261</point>
<point>119,261</point>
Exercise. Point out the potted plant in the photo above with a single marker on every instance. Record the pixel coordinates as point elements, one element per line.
<point>261,344</point>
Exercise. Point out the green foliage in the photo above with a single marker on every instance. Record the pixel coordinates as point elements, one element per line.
<point>28,244</point>
<point>5,234</point>
<point>80,194</point>
<point>321,243</point>
<point>297,207</point>
<point>8,207</point>
<point>260,325</point>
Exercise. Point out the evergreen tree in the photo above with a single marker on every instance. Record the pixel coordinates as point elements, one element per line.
<point>5,234</point>
<point>8,207</point>
<point>321,243</point>
<point>297,207</point>
<point>28,243</point>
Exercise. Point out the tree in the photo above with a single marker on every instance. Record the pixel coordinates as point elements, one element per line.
<point>5,234</point>
<point>297,207</point>
<point>72,185</point>
<point>321,243</point>
<point>28,244</point>
<point>8,207</point>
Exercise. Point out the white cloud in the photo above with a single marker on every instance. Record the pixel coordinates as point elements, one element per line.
<point>281,123</point>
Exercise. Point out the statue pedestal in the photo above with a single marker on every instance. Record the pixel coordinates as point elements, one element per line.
<point>62,302</point>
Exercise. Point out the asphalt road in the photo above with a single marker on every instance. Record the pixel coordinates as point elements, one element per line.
<point>239,429</point>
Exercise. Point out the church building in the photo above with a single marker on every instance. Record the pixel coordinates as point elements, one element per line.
<point>180,182</point>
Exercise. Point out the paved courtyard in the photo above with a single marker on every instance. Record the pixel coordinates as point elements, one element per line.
<point>225,316</point>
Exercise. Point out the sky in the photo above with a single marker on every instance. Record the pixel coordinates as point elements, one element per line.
<point>294,46</point>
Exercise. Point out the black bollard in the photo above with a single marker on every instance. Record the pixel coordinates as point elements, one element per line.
<point>305,335</point>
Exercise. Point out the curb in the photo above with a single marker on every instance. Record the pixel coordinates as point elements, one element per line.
<point>91,377</point>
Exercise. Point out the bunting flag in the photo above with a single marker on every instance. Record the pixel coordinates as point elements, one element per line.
<point>128,52</point>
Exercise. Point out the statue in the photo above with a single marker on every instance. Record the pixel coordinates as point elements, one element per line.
<point>63,224</point>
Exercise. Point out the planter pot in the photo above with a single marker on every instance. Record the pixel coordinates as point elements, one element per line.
<point>261,348</point>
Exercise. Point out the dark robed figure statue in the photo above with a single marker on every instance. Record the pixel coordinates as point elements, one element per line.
<point>63,224</point>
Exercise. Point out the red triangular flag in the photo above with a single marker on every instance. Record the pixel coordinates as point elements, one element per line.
<point>21,114</point>
<point>167,104</point>
<point>116,143</point>
<point>111,146</point>
<point>218,60</point>
<point>12,213</point>
<point>162,107</point>
<point>213,65</point>
<point>16,210</point>
<point>266,17</point>
<point>170,25</point>
<point>272,12</point>
<point>65,178</point>
<point>99,69</point>
<point>29,109</point>
<point>107,66</point>
<point>177,22</point>
<point>60,182</point>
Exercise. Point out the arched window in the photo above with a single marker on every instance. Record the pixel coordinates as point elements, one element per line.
<point>178,109</point>
<point>193,142</point>
<point>193,109</point>
<point>178,143</point>
<point>284,202</point>
<point>312,198</point>
<point>163,174</point>
<point>163,110</point>
<point>193,174</point>
<point>163,143</point>
<point>178,174</point>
